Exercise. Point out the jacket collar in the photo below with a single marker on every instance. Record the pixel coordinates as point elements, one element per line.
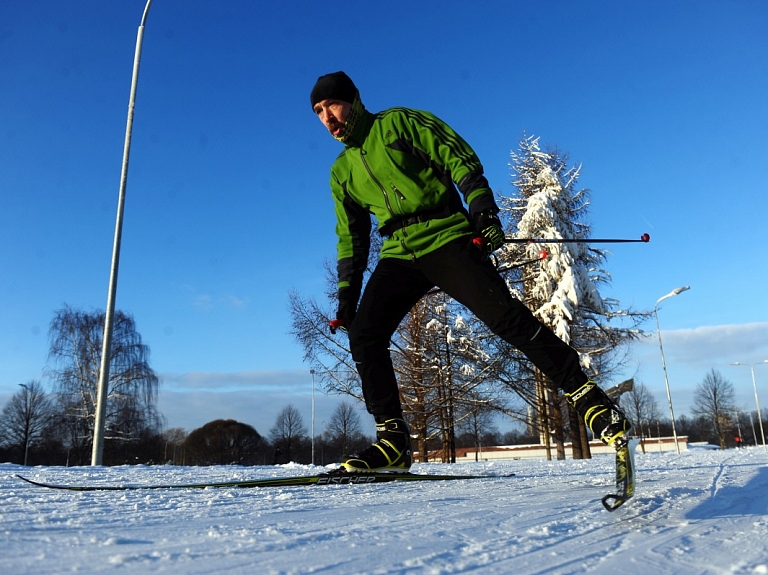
<point>358,125</point>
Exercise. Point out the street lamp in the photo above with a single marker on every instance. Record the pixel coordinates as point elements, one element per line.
<point>312,373</point>
<point>100,412</point>
<point>752,423</point>
<point>757,400</point>
<point>674,292</point>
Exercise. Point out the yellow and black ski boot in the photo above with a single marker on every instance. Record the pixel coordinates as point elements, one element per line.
<point>390,453</point>
<point>600,413</point>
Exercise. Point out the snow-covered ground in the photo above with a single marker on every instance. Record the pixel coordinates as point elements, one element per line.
<point>704,511</point>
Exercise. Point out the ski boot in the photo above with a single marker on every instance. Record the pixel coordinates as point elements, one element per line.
<point>600,413</point>
<point>390,453</point>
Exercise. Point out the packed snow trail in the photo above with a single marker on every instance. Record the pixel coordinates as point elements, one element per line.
<point>705,511</point>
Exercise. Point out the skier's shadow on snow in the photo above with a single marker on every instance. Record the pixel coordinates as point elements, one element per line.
<point>735,500</point>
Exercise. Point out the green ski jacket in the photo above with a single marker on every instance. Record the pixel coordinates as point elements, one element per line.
<point>411,171</point>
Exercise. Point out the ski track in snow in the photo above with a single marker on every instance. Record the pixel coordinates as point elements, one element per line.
<point>705,511</point>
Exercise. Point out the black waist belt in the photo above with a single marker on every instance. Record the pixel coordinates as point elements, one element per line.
<point>404,221</point>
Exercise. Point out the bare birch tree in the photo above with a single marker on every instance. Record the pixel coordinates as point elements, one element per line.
<point>75,355</point>
<point>344,429</point>
<point>25,418</point>
<point>288,432</point>
<point>641,408</point>
<point>714,402</point>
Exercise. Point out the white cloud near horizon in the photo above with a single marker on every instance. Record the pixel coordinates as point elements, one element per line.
<point>189,400</point>
<point>285,380</point>
<point>706,346</point>
<point>258,408</point>
<point>747,343</point>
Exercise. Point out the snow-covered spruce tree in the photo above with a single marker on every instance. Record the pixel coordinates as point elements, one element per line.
<point>562,289</point>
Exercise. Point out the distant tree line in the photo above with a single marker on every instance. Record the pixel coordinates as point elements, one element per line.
<point>29,432</point>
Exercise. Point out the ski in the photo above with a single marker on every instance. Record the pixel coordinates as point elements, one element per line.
<point>625,475</point>
<point>330,478</point>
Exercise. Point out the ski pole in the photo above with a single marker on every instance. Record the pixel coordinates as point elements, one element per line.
<point>645,238</point>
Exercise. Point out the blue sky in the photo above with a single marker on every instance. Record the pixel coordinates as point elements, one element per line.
<point>228,206</point>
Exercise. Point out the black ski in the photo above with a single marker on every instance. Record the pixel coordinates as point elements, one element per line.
<point>331,478</point>
<point>625,475</point>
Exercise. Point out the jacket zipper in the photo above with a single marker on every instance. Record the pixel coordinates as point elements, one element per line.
<point>386,197</point>
<point>378,183</point>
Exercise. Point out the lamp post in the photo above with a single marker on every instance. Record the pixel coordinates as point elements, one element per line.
<point>27,410</point>
<point>752,424</point>
<point>674,292</point>
<point>100,413</point>
<point>312,373</point>
<point>757,400</point>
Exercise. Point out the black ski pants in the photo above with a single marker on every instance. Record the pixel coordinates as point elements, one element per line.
<point>460,270</point>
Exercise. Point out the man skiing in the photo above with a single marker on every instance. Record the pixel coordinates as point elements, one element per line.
<point>415,175</point>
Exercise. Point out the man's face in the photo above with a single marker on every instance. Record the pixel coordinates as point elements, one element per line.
<point>333,114</point>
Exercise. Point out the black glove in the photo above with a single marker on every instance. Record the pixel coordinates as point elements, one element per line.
<point>489,235</point>
<point>347,311</point>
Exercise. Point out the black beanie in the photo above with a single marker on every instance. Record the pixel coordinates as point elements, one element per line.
<point>337,86</point>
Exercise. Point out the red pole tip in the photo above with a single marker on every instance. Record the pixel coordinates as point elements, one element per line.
<point>543,254</point>
<point>645,238</point>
